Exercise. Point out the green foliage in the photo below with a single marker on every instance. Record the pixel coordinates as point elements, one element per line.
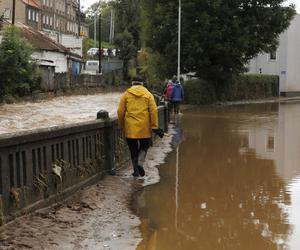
<point>18,72</point>
<point>105,10</point>
<point>128,18</point>
<point>219,37</point>
<point>238,88</point>
<point>148,70</point>
<point>199,92</point>
<point>87,43</point>
<point>127,28</point>
<point>249,86</point>
<point>1,21</point>
<point>125,43</point>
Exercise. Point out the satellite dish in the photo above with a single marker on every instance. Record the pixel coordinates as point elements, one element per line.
<point>7,13</point>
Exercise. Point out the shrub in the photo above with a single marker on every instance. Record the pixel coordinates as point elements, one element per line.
<point>18,72</point>
<point>241,87</point>
<point>249,86</point>
<point>199,92</point>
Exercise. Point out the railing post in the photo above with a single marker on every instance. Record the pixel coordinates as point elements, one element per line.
<point>109,140</point>
<point>166,117</point>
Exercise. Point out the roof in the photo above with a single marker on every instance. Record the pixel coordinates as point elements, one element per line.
<point>42,42</point>
<point>33,3</point>
<point>39,40</point>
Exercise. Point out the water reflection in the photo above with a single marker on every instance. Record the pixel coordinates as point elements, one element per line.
<point>231,184</point>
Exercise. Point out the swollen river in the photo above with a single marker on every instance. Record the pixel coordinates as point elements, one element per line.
<point>232,182</point>
<point>58,111</point>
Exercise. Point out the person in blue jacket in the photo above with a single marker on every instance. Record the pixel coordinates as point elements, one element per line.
<point>177,96</point>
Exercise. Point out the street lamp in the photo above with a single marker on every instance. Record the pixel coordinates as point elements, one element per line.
<point>179,39</point>
<point>100,48</point>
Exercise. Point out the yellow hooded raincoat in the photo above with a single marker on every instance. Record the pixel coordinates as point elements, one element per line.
<point>137,113</point>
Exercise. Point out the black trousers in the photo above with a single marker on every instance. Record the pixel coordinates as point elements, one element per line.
<point>138,151</point>
<point>176,106</point>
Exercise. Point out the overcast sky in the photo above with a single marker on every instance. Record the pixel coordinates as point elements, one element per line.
<point>87,3</point>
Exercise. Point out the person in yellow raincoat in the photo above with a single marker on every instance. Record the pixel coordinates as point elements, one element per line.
<point>137,116</point>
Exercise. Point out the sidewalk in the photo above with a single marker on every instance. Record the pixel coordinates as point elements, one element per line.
<point>98,217</point>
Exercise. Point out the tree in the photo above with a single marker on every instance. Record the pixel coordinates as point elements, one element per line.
<point>125,44</point>
<point>18,72</point>
<point>219,37</point>
<point>105,10</point>
<point>127,30</point>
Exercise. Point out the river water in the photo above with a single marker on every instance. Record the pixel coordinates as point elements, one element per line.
<point>232,182</point>
<point>55,112</point>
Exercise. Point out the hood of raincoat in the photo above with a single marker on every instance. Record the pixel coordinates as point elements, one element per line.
<point>138,90</point>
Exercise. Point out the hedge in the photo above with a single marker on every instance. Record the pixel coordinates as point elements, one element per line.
<point>249,86</point>
<point>241,87</point>
<point>199,92</point>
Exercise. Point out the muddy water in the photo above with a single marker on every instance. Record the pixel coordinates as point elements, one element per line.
<point>58,111</point>
<point>232,182</point>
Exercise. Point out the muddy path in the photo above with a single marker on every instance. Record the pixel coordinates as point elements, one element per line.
<point>98,217</point>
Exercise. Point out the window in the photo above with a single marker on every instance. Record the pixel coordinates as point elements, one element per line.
<point>29,14</point>
<point>51,21</point>
<point>47,20</point>
<point>44,19</point>
<point>273,55</point>
<point>37,17</point>
<point>33,15</point>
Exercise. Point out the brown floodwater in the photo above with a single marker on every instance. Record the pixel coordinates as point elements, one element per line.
<point>232,182</point>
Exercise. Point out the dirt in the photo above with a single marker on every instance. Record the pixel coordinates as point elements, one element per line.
<point>98,217</point>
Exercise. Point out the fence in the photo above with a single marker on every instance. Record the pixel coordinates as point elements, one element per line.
<point>40,167</point>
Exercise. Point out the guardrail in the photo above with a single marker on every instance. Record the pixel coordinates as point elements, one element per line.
<point>40,167</point>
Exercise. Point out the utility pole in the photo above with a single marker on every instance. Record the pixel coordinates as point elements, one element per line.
<point>13,12</point>
<point>79,18</point>
<point>179,39</point>
<point>100,66</point>
<point>95,31</point>
<point>112,26</point>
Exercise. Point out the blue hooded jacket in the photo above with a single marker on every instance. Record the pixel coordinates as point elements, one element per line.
<point>177,94</point>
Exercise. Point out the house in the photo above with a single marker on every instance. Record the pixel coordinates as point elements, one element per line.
<point>53,58</point>
<point>63,17</point>
<point>283,62</point>
<point>58,19</point>
<point>27,12</point>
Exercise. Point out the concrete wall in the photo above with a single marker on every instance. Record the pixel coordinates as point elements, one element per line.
<point>60,60</point>
<point>287,61</point>
<point>293,56</point>
<point>73,43</point>
<point>42,166</point>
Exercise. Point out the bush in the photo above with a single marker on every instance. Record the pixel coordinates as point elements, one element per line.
<point>199,92</point>
<point>249,86</point>
<point>241,87</point>
<point>18,72</point>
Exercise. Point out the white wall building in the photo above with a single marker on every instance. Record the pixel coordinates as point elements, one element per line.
<point>284,62</point>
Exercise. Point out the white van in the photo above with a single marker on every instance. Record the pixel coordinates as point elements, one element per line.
<point>91,67</point>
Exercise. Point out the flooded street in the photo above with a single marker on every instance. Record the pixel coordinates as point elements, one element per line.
<point>58,111</point>
<point>232,182</point>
